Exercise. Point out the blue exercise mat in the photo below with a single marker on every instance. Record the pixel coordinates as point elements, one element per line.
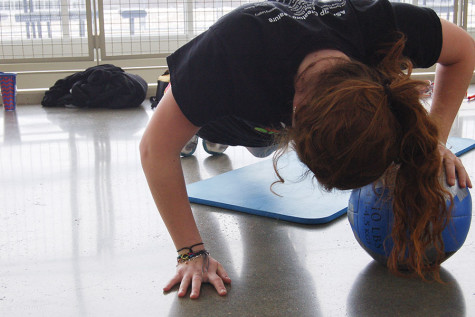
<point>247,190</point>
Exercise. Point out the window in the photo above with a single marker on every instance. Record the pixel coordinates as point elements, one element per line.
<point>36,30</point>
<point>39,30</point>
<point>44,40</point>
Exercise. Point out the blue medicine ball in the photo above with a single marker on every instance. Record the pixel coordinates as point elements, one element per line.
<point>371,218</point>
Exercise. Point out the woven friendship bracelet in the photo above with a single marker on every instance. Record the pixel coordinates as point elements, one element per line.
<point>190,256</point>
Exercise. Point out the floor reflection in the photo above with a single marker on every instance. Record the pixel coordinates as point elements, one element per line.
<point>80,235</point>
<point>270,267</point>
<point>11,130</point>
<point>376,292</point>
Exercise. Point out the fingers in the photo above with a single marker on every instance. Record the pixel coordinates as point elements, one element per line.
<point>185,282</point>
<point>191,276</point>
<point>469,182</point>
<point>195,282</point>
<point>218,284</point>
<point>454,170</point>
<point>196,286</point>
<point>223,275</point>
<point>462,175</point>
<point>175,280</point>
<point>449,165</point>
<point>217,277</point>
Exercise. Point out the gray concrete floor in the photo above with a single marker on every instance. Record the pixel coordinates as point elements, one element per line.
<point>80,235</point>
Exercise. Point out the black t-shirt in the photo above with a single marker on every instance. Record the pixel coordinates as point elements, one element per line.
<point>236,80</point>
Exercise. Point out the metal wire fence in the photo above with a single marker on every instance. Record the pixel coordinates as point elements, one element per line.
<point>49,30</point>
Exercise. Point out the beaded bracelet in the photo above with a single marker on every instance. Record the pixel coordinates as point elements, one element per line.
<point>190,256</point>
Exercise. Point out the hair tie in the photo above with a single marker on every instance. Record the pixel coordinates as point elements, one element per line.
<point>190,249</point>
<point>387,90</point>
<point>389,94</point>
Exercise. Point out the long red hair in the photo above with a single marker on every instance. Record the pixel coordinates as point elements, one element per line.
<point>356,122</point>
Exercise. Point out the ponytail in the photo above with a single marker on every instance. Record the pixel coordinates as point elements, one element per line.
<point>419,207</point>
<point>356,123</point>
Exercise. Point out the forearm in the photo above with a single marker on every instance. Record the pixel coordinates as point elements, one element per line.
<point>166,134</point>
<point>165,178</point>
<point>450,87</point>
<point>453,74</point>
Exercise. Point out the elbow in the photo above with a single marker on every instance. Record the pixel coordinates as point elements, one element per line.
<point>146,151</point>
<point>458,48</point>
<point>470,52</point>
<point>473,53</point>
<point>153,155</point>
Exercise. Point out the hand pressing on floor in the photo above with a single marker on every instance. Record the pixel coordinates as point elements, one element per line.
<point>203,269</point>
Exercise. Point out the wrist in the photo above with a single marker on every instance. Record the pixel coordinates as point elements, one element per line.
<point>191,249</point>
<point>193,252</point>
<point>185,258</point>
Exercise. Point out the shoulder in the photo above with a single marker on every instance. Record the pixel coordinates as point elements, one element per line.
<point>423,31</point>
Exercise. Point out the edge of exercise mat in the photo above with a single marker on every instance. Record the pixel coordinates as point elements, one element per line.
<point>453,143</point>
<point>212,192</point>
<point>456,140</point>
<point>268,214</point>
